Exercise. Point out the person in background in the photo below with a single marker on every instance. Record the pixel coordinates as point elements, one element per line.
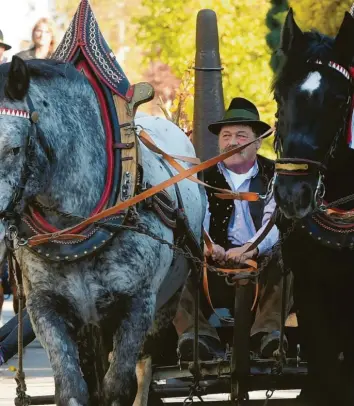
<point>43,39</point>
<point>3,47</point>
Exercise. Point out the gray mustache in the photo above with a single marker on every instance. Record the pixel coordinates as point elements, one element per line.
<point>232,147</point>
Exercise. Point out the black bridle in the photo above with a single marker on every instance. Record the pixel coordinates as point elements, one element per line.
<point>35,134</point>
<point>301,167</point>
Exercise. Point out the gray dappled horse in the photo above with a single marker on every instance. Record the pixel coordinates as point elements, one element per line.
<point>118,288</point>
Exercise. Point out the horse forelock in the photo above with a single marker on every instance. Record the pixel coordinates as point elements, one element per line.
<point>45,68</point>
<point>314,46</point>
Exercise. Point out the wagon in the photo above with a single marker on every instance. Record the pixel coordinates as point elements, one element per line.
<point>236,375</point>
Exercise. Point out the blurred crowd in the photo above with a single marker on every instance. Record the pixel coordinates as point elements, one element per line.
<point>43,42</point>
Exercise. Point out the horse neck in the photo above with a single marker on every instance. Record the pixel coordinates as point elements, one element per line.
<point>339,179</point>
<point>74,129</point>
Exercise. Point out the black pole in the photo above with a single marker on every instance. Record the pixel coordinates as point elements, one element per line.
<point>240,359</point>
<point>208,96</point>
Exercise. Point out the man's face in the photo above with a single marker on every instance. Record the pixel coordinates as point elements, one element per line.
<point>236,135</point>
<point>2,50</point>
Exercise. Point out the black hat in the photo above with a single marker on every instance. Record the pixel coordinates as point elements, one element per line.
<point>6,46</point>
<point>241,111</point>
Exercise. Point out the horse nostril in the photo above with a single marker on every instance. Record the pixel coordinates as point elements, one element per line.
<point>276,193</point>
<point>306,192</point>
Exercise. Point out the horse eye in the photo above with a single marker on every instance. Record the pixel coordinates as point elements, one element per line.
<point>340,99</point>
<point>16,150</point>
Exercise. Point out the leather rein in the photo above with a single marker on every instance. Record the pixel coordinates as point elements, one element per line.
<point>67,233</point>
<point>249,267</point>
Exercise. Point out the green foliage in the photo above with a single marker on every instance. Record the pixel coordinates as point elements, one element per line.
<point>274,20</point>
<point>114,20</point>
<point>167,29</point>
<point>249,31</point>
<point>324,16</point>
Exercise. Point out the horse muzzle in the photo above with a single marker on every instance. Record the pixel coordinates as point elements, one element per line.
<point>295,196</point>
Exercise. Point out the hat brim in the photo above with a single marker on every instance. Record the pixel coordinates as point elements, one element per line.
<point>260,126</point>
<point>7,47</point>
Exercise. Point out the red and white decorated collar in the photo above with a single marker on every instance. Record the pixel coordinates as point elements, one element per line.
<point>4,111</point>
<point>335,66</point>
<point>348,74</point>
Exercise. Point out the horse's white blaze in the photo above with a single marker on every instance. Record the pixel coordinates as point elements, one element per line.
<point>312,82</point>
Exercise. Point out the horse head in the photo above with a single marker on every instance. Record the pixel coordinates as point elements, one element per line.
<point>24,160</point>
<point>313,90</point>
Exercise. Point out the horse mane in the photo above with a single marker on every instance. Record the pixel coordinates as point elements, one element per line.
<point>45,69</point>
<point>315,46</point>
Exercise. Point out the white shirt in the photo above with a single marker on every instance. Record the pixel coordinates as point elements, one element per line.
<point>241,228</point>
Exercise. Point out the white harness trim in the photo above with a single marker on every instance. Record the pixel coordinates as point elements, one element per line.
<point>335,66</point>
<point>4,111</point>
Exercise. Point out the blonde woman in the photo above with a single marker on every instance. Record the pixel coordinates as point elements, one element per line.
<point>43,39</point>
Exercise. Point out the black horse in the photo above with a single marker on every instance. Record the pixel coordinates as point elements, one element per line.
<point>314,92</point>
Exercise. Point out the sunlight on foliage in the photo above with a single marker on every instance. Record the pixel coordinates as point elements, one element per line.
<point>164,31</point>
<point>324,16</point>
<point>167,31</point>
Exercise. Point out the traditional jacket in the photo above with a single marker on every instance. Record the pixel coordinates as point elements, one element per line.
<point>27,54</point>
<point>221,210</point>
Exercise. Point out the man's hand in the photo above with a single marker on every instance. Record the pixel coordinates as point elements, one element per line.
<point>237,255</point>
<point>218,253</point>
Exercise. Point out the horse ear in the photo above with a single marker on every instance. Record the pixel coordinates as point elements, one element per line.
<point>18,79</point>
<point>291,35</point>
<point>344,44</point>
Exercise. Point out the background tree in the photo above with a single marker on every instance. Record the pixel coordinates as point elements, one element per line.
<point>115,22</point>
<point>155,40</point>
<point>324,16</point>
<point>274,20</point>
<point>166,31</point>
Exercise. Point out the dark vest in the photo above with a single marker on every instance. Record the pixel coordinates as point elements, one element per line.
<point>221,210</point>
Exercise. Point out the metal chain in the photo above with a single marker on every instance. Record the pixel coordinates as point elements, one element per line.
<point>195,391</point>
<point>143,229</point>
<point>269,394</point>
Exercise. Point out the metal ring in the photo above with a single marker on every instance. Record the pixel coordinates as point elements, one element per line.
<point>208,69</point>
<point>12,232</point>
<point>22,242</point>
<point>270,188</point>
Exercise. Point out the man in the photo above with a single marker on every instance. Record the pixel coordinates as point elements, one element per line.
<point>3,47</point>
<point>233,226</point>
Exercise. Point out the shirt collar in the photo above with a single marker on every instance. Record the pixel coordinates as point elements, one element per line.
<point>252,174</point>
